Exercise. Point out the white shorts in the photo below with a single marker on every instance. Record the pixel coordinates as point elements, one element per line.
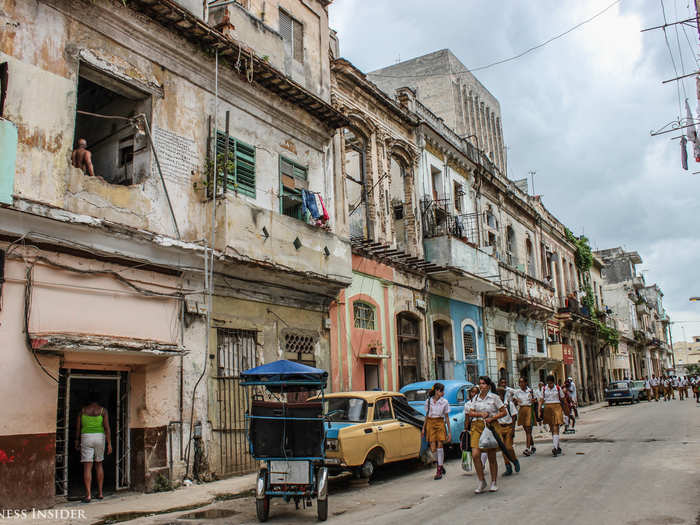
<point>92,448</point>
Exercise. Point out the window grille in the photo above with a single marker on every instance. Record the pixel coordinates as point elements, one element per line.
<point>239,171</point>
<point>364,316</point>
<point>469,346</point>
<point>300,347</point>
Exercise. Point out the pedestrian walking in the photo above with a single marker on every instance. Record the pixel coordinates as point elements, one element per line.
<point>655,383</point>
<point>668,388</point>
<point>647,388</point>
<point>696,388</point>
<point>569,412</point>
<point>92,434</point>
<point>436,426</point>
<point>551,409</point>
<point>524,400</point>
<point>485,409</point>
<point>538,413</point>
<point>574,394</point>
<point>507,427</point>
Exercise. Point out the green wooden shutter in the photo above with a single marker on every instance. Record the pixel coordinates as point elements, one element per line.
<point>245,168</point>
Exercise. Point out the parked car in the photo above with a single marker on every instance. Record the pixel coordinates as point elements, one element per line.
<point>456,393</point>
<point>642,390</point>
<point>369,429</point>
<point>622,392</point>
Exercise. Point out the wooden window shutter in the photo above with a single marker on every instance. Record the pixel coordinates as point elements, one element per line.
<point>285,26</point>
<point>298,34</point>
<point>245,168</point>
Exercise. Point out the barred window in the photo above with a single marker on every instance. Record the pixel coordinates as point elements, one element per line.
<point>364,316</point>
<point>469,347</point>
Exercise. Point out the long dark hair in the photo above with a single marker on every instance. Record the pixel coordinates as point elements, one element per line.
<point>436,387</point>
<point>487,380</point>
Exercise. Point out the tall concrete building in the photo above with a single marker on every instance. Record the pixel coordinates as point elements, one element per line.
<point>445,86</point>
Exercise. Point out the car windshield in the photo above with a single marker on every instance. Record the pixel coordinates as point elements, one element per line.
<point>619,386</point>
<point>416,395</point>
<point>347,409</point>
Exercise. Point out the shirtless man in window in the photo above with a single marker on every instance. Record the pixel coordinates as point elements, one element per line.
<point>82,158</point>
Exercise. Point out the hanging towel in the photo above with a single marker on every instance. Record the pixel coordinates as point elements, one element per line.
<point>684,153</point>
<point>310,200</point>
<point>324,215</point>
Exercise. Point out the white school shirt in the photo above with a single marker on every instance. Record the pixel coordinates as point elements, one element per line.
<point>439,409</point>
<point>525,397</point>
<point>508,402</point>
<point>552,395</point>
<point>572,391</point>
<point>675,381</point>
<point>654,381</point>
<point>647,384</point>
<point>491,404</point>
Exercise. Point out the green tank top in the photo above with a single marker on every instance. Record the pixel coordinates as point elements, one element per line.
<point>91,424</point>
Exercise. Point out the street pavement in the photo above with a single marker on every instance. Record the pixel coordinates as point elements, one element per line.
<point>626,465</point>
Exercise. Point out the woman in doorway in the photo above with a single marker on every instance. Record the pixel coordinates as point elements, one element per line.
<point>92,433</point>
<point>524,399</point>
<point>486,408</point>
<point>552,413</point>
<point>436,427</point>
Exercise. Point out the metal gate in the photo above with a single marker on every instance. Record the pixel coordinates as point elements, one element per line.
<point>235,353</point>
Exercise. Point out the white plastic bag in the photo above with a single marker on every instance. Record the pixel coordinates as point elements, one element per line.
<point>487,439</point>
<point>467,463</point>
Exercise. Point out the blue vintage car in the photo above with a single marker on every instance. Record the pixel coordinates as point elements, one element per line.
<point>456,393</point>
<point>624,392</point>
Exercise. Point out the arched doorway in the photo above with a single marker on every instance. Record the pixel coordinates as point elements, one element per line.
<point>408,333</point>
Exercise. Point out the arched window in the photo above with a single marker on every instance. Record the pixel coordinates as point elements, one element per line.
<point>363,314</point>
<point>510,246</point>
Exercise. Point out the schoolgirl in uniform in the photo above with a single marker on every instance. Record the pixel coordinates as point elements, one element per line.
<point>507,426</point>
<point>524,399</point>
<point>436,427</point>
<point>485,409</point>
<point>552,414</point>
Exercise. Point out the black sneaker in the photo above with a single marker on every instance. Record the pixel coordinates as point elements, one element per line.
<point>559,451</point>
<point>554,452</point>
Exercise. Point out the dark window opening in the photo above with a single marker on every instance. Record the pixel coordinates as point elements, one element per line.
<point>293,178</point>
<point>540,346</point>
<point>117,152</point>
<point>522,345</point>
<point>4,79</point>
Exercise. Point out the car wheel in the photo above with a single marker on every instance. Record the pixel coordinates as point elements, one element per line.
<point>367,469</point>
<point>610,403</point>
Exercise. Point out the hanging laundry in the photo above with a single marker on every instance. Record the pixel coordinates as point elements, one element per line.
<point>310,201</point>
<point>304,208</point>
<point>324,215</point>
<point>684,154</point>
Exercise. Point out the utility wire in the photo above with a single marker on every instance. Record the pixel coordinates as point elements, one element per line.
<point>515,57</point>
<point>673,61</point>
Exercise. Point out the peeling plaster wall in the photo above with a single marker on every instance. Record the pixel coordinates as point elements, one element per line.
<point>44,62</point>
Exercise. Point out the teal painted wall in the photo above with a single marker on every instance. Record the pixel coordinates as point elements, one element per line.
<point>8,156</point>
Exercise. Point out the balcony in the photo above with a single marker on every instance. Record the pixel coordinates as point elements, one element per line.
<point>517,286</point>
<point>561,352</point>
<point>301,255</point>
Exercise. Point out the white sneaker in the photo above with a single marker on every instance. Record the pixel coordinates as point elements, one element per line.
<point>481,488</point>
<point>494,487</point>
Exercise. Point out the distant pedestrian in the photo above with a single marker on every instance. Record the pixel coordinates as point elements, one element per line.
<point>696,388</point>
<point>436,426</point>
<point>552,413</point>
<point>647,388</point>
<point>525,400</point>
<point>507,427</point>
<point>655,385</point>
<point>569,413</point>
<point>574,394</point>
<point>538,413</point>
<point>485,409</point>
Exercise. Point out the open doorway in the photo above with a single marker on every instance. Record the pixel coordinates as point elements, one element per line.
<point>75,387</point>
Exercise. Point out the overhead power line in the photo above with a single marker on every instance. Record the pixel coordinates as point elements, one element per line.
<point>515,57</point>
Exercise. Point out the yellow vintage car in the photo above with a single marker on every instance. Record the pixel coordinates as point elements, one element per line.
<point>368,429</point>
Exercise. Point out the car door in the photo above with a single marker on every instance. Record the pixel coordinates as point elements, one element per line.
<point>387,428</point>
<point>457,414</point>
<point>410,434</point>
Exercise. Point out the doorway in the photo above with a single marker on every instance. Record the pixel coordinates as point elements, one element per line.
<point>409,348</point>
<point>372,377</point>
<point>111,389</point>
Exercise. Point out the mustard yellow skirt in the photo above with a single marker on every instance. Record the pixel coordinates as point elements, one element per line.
<point>525,416</point>
<point>435,429</point>
<point>553,414</point>
<point>477,428</point>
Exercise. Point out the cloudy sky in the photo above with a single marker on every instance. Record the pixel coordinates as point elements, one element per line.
<point>578,112</point>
